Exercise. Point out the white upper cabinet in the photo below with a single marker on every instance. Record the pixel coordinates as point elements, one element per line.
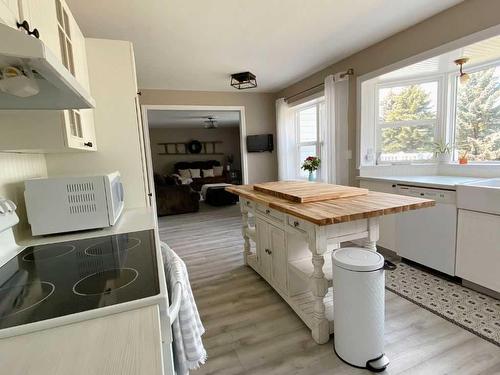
<point>52,131</point>
<point>9,12</point>
<point>42,15</point>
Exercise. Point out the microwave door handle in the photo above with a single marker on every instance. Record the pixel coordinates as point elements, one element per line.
<point>122,194</point>
<point>173,309</point>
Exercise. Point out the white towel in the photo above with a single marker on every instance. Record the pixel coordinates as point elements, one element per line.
<point>187,329</point>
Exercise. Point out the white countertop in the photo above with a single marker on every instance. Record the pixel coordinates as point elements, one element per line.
<point>439,182</point>
<point>131,220</point>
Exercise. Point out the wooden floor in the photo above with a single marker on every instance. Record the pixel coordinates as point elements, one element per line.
<point>251,330</point>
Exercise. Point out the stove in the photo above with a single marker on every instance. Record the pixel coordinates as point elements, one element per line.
<point>54,280</point>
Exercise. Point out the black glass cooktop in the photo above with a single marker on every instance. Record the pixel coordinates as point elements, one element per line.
<point>48,281</point>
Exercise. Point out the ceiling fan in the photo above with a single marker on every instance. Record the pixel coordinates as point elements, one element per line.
<point>211,123</point>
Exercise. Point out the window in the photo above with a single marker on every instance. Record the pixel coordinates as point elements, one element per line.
<point>308,119</point>
<point>407,121</point>
<point>477,116</point>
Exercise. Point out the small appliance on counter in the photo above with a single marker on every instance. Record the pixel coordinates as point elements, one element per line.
<point>68,204</point>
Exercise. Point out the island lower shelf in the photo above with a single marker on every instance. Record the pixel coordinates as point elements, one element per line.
<point>302,303</point>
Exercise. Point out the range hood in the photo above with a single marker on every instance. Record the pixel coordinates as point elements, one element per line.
<point>56,86</point>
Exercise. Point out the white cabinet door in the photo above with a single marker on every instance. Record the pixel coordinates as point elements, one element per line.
<point>79,124</point>
<point>478,248</point>
<point>9,12</point>
<point>279,260</point>
<point>42,15</point>
<point>387,226</point>
<point>263,254</point>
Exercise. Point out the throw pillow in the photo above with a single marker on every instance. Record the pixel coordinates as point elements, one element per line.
<point>185,173</point>
<point>195,173</point>
<point>218,170</point>
<point>208,173</point>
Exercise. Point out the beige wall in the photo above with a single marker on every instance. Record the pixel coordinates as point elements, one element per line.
<point>14,169</point>
<point>259,113</point>
<point>164,164</point>
<point>464,19</point>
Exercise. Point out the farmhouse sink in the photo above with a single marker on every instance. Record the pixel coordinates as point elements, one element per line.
<point>482,196</point>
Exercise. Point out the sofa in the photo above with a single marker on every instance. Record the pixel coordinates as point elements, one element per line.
<point>172,198</point>
<point>207,164</point>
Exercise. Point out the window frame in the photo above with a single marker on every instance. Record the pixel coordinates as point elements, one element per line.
<point>452,111</point>
<point>319,143</point>
<point>438,122</point>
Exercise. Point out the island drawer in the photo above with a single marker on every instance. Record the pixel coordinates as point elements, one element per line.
<point>246,203</point>
<point>299,224</point>
<point>269,212</point>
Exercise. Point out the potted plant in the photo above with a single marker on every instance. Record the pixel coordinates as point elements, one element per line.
<point>311,164</point>
<point>442,151</point>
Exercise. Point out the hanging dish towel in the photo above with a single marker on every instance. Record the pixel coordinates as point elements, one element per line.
<point>187,329</point>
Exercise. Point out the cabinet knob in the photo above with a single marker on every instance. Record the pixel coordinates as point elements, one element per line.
<point>88,144</point>
<point>35,33</point>
<point>393,186</point>
<point>270,252</point>
<point>268,212</point>
<point>23,25</point>
<point>296,224</point>
<point>26,26</point>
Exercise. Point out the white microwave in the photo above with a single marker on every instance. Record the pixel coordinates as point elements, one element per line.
<point>68,204</point>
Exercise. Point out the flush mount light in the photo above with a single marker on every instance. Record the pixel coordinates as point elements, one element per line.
<point>464,77</point>
<point>244,80</point>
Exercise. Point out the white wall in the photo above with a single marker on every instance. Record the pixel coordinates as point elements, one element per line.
<point>113,86</point>
<point>14,169</point>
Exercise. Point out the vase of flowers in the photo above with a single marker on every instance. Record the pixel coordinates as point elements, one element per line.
<point>311,164</point>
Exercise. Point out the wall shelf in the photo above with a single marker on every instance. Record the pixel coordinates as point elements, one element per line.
<point>181,148</point>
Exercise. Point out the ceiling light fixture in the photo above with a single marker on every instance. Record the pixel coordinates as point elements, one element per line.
<point>211,123</point>
<point>464,77</point>
<point>244,80</point>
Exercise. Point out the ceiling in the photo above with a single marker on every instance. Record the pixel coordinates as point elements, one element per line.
<point>191,119</point>
<point>478,53</point>
<point>196,44</point>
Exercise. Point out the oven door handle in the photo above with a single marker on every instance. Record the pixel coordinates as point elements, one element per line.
<point>173,309</point>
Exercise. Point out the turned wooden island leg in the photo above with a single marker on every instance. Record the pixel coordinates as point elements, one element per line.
<point>319,287</point>
<point>370,242</point>
<point>244,232</point>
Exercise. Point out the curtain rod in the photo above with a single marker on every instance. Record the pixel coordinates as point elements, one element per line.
<point>349,72</point>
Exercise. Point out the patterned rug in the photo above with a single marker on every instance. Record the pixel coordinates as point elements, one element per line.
<point>471,310</point>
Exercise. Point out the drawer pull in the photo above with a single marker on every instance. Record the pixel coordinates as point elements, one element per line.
<point>296,224</point>
<point>268,251</point>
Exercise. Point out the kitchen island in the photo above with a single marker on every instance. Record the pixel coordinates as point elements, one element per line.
<point>289,243</point>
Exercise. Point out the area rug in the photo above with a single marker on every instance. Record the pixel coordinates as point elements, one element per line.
<point>471,310</point>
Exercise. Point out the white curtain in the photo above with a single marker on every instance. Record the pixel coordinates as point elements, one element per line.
<point>335,160</point>
<point>286,141</point>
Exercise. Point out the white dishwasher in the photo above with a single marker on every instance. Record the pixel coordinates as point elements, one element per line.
<point>428,236</point>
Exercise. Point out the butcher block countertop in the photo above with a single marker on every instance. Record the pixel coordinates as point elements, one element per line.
<point>338,210</point>
<point>306,192</point>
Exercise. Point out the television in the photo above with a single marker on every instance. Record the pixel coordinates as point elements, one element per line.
<point>260,143</point>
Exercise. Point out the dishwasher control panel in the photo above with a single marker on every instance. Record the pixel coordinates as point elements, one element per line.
<point>439,195</point>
